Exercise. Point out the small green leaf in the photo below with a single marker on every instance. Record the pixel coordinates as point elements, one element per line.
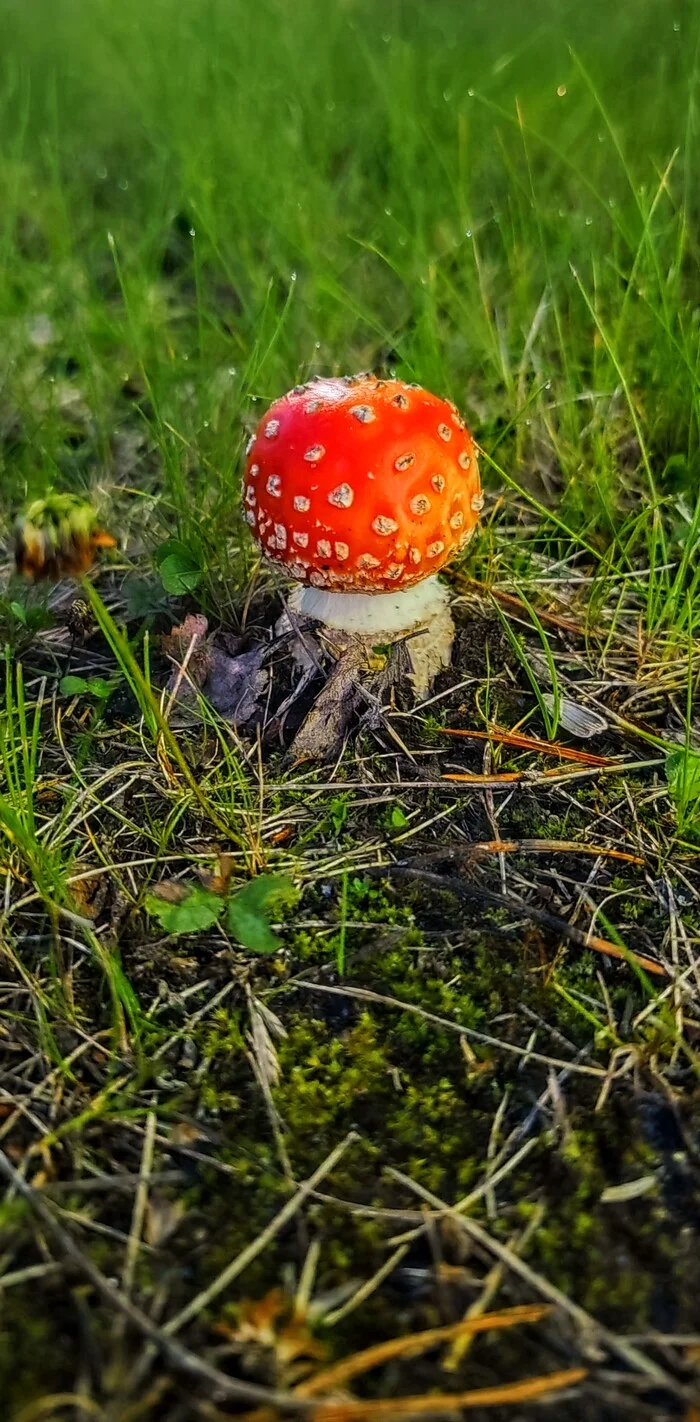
<point>249,911</point>
<point>683,775</point>
<point>96,686</point>
<point>178,577</point>
<point>19,612</point>
<point>179,569</point>
<point>198,910</point>
<point>338,813</point>
<point>143,597</point>
<point>101,688</point>
<point>73,686</point>
<point>398,819</point>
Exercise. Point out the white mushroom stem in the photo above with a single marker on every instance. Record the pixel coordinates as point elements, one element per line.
<point>380,618</point>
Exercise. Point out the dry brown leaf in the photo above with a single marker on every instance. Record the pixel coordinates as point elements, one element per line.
<point>234,682</point>
<point>171,890</point>
<point>270,1018</point>
<point>219,882</point>
<point>190,634</point>
<point>268,1323</point>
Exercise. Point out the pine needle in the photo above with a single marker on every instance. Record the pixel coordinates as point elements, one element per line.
<point>411,1345</point>
<point>532,743</point>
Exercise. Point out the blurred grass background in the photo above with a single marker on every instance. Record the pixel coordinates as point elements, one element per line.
<point>201,203</point>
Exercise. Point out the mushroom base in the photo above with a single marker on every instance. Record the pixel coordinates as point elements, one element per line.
<point>422,610</point>
<point>384,616</point>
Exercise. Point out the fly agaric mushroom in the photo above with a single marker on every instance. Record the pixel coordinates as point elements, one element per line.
<point>363,489</point>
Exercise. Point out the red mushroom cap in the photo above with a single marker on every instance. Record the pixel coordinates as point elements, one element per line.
<point>362,484</point>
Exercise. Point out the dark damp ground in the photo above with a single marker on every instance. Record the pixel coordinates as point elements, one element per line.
<point>443,1110</point>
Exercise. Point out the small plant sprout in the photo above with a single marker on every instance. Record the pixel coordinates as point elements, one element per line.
<point>363,489</point>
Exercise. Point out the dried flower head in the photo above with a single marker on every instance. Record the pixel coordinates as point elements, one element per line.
<point>58,537</point>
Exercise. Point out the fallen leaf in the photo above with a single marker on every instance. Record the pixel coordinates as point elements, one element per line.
<point>188,640</point>
<point>235,685</point>
<point>219,882</point>
<point>172,891</point>
<point>268,1323</point>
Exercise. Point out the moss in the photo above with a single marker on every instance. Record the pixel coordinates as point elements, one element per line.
<point>418,1102</point>
<point>326,1081</point>
<point>25,1335</point>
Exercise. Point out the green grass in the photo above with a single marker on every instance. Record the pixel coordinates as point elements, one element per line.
<point>213,201</point>
<point>202,203</point>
